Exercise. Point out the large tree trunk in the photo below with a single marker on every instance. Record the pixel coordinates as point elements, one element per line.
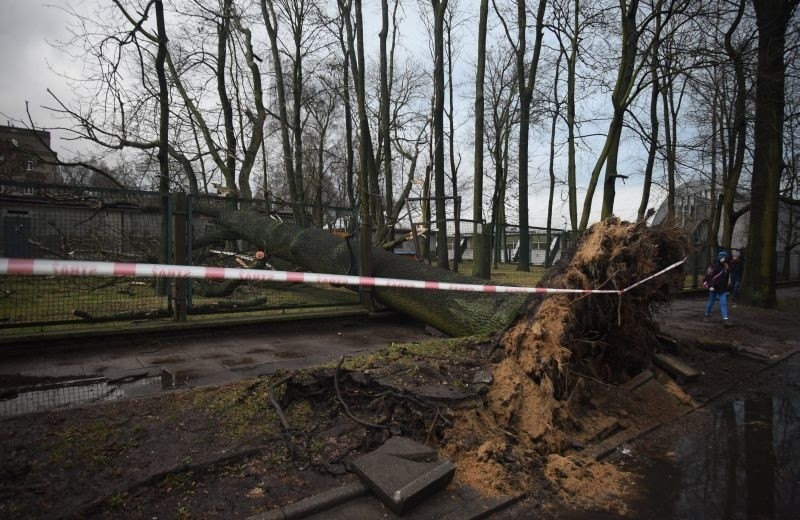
<point>477,182</point>
<point>271,24</point>
<point>737,135</point>
<point>455,313</point>
<point>439,7</point>
<point>759,279</point>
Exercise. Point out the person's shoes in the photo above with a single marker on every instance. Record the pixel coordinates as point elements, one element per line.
<point>726,323</point>
<point>707,318</point>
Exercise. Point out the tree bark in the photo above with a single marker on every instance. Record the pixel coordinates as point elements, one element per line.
<point>163,137</point>
<point>477,180</point>
<point>223,34</point>
<point>772,18</point>
<point>620,99</point>
<point>271,22</point>
<point>526,96</point>
<point>653,148</point>
<point>385,132</point>
<point>737,134</point>
<point>439,8</point>
<point>571,79</point>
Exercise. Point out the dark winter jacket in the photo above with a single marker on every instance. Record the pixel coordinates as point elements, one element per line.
<point>717,277</point>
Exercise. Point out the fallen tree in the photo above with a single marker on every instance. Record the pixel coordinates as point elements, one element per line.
<point>550,344</point>
<point>455,313</point>
<point>612,255</point>
<point>549,350</point>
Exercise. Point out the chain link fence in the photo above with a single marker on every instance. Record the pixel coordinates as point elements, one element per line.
<point>82,223</point>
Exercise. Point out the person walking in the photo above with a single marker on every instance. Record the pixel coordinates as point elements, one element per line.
<point>716,281</point>
<point>736,269</point>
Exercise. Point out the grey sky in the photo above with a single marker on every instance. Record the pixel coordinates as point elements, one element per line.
<point>29,27</point>
<point>26,27</point>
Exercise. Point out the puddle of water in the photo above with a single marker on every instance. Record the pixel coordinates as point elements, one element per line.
<point>742,461</point>
<point>51,395</point>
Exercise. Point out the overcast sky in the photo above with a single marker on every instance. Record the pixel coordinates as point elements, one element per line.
<point>30,64</point>
<point>27,30</point>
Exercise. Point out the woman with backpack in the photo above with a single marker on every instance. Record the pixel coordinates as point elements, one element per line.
<point>716,281</point>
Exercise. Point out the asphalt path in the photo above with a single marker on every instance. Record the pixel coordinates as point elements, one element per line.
<point>140,364</point>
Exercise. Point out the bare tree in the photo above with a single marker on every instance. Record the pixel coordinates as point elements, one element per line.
<point>526,79</point>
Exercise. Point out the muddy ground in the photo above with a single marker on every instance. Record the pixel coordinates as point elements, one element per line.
<point>246,447</point>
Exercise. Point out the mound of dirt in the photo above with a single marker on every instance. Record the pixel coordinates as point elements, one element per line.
<point>558,342</point>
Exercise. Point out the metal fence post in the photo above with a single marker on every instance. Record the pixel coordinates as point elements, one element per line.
<point>189,242</point>
<point>180,247</point>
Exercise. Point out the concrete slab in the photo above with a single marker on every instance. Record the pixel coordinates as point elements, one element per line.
<point>403,473</point>
<point>315,504</point>
<point>638,380</point>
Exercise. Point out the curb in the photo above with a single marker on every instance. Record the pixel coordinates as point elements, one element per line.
<point>84,337</point>
<point>315,504</point>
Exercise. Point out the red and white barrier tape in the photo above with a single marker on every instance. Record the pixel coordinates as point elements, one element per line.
<point>27,266</point>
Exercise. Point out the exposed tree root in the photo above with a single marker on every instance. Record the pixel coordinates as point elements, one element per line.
<point>528,408</point>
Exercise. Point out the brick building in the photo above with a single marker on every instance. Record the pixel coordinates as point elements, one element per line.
<point>25,155</point>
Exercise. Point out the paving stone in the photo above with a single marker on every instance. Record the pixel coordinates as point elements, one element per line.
<point>314,504</point>
<point>403,473</point>
<point>638,380</point>
<point>676,367</point>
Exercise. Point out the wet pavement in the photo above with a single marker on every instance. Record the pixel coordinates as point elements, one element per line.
<point>738,457</point>
<point>82,372</point>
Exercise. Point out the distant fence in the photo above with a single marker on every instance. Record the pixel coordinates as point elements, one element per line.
<point>503,248</point>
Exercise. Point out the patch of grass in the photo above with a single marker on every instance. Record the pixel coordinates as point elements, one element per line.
<point>299,414</point>
<point>239,410</point>
<point>275,459</point>
<point>445,349</point>
<point>234,470</point>
<point>316,446</point>
<point>183,513</point>
<point>91,443</point>
<point>117,500</point>
<point>504,273</point>
<point>177,481</point>
<point>32,299</point>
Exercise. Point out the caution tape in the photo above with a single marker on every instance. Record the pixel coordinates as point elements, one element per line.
<point>42,267</point>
